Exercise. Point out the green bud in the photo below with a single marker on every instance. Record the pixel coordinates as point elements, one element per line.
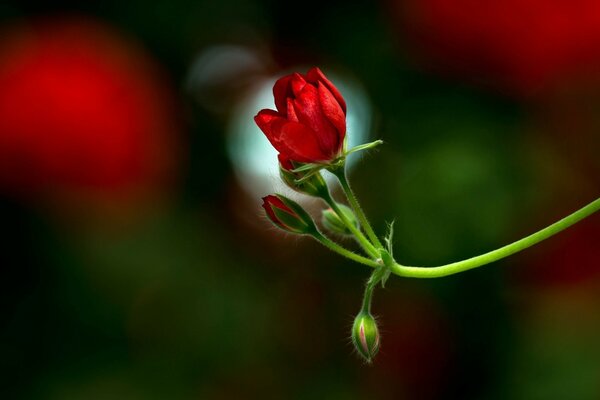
<point>365,336</point>
<point>333,223</point>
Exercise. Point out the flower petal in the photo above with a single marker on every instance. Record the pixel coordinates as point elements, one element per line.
<point>299,143</point>
<point>310,113</point>
<point>334,113</point>
<point>281,91</point>
<point>285,162</point>
<point>291,112</point>
<point>264,119</point>
<point>297,83</point>
<point>274,201</point>
<point>314,75</point>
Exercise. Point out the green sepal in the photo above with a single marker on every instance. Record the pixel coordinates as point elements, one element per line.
<point>366,146</point>
<point>388,262</point>
<point>308,176</point>
<point>307,167</point>
<point>290,222</point>
<point>302,215</point>
<point>387,256</point>
<point>311,183</point>
<point>389,239</point>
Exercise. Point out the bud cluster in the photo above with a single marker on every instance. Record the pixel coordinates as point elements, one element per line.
<point>308,129</point>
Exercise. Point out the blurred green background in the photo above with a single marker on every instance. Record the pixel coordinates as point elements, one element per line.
<point>137,265</point>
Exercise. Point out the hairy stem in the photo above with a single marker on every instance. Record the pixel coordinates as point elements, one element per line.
<point>362,240</point>
<point>331,245</point>
<point>364,222</point>
<point>374,279</point>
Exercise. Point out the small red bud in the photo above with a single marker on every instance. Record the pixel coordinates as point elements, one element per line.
<point>288,215</point>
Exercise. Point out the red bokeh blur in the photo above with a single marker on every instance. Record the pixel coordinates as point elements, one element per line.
<point>83,111</point>
<point>568,259</point>
<point>522,47</point>
<point>416,350</point>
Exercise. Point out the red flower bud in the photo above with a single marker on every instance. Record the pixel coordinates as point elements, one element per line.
<point>309,125</point>
<point>288,215</point>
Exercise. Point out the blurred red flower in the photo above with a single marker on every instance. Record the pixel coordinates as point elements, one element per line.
<point>82,110</point>
<point>418,348</point>
<point>310,122</point>
<point>520,46</point>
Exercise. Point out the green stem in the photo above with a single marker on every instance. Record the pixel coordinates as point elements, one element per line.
<point>474,262</point>
<point>331,245</point>
<point>370,288</point>
<point>362,240</point>
<point>340,173</point>
<point>367,297</point>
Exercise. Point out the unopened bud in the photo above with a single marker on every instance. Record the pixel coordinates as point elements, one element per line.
<point>365,336</point>
<point>288,215</point>
<point>332,222</point>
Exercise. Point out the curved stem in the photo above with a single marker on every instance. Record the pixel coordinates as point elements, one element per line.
<point>331,245</point>
<point>364,222</point>
<point>474,262</point>
<point>362,240</point>
<point>375,278</point>
<point>367,297</point>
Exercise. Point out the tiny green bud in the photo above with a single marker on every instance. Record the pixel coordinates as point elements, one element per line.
<point>365,336</point>
<point>333,223</point>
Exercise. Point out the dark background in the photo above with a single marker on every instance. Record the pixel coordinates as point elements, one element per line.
<point>136,264</point>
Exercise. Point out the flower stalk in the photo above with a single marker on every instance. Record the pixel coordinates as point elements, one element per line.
<point>340,173</point>
<point>358,235</point>
<point>333,246</point>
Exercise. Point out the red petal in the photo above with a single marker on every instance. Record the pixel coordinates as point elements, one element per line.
<point>332,110</point>
<point>297,84</point>
<point>310,113</point>
<point>315,75</point>
<point>267,207</point>
<point>281,91</point>
<point>294,140</point>
<point>300,143</point>
<point>274,201</point>
<point>264,119</point>
<point>291,112</point>
<point>285,162</point>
